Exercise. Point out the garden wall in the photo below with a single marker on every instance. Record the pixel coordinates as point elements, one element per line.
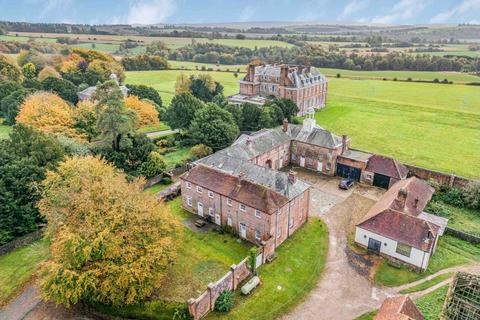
<point>445,179</point>
<point>20,242</point>
<point>205,303</point>
<point>463,235</point>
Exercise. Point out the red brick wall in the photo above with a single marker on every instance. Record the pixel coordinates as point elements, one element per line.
<point>314,154</point>
<point>278,156</point>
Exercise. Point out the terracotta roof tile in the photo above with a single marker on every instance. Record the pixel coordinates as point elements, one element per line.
<point>399,308</point>
<point>386,166</point>
<point>241,190</point>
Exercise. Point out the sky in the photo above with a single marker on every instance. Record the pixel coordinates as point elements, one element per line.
<point>210,11</point>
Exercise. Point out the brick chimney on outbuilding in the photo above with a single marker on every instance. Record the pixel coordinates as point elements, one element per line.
<point>285,125</point>
<point>401,199</point>
<point>251,72</point>
<point>292,176</point>
<point>344,143</point>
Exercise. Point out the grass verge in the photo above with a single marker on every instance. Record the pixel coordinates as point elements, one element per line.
<point>18,266</point>
<point>176,157</point>
<point>431,304</point>
<point>147,129</point>
<point>450,252</point>
<point>286,281</point>
<point>429,283</point>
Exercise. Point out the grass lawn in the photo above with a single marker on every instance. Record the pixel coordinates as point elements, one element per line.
<point>429,125</point>
<point>194,65</point>
<point>18,266</point>
<point>4,130</point>
<point>147,129</point>
<point>157,188</point>
<point>429,283</point>
<point>202,258</point>
<point>286,281</point>
<point>368,315</point>
<point>450,252</point>
<point>164,81</point>
<point>431,304</point>
<point>177,156</point>
<point>463,219</point>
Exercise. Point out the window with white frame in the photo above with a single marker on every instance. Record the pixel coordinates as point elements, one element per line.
<point>210,194</point>
<point>258,235</point>
<point>211,212</point>
<point>258,214</point>
<point>229,202</point>
<point>403,249</point>
<point>189,185</point>
<point>189,201</point>
<point>229,221</point>
<point>199,189</point>
<point>242,207</point>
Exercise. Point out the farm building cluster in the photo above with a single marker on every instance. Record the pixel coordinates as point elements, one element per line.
<point>243,187</point>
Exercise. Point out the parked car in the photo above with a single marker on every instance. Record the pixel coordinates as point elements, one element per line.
<point>346,184</point>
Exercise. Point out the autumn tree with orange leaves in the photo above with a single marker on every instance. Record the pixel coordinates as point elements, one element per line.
<point>49,113</point>
<point>110,242</point>
<point>146,112</point>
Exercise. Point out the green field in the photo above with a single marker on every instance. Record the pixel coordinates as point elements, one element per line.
<point>171,42</point>
<point>164,81</point>
<point>18,266</point>
<point>401,75</point>
<point>197,65</point>
<point>429,125</point>
<point>431,304</point>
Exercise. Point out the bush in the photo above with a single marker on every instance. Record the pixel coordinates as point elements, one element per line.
<point>409,79</point>
<point>436,80</point>
<point>452,196</point>
<point>438,208</point>
<point>472,195</point>
<point>224,302</point>
<point>338,75</point>
<point>200,150</point>
<point>64,88</point>
<point>395,79</point>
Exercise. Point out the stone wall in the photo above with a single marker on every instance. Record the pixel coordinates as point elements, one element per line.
<point>205,303</point>
<point>475,239</point>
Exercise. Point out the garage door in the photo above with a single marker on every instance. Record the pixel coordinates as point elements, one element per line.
<point>379,180</point>
<point>348,172</point>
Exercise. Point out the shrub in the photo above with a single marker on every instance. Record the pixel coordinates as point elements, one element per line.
<point>153,166</point>
<point>395,79</point>
<point>64,88</point>
<point>436,80</point>
<point>409,79</point>
<point>224,302</point>
<point>338,75</point>
<point>438,208</point>
<point>200,150</point>
<point>452,196</point>
<point>48,72</point>
<point>472,195</point>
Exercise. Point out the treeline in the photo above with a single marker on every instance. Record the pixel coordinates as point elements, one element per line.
<point>144,62</point>
<point>319,57</point>
<point>51,28</point>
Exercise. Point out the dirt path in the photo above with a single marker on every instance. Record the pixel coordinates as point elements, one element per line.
<point>342,293</point>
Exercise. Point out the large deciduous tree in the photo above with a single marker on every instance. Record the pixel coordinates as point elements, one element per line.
<point>49,113</point>
<point>64,88</point>
<point>145,92</point>
<point>9,70</point>
<point>213,127</point>
<point>111,242</point>
<point>147,115</point>
<point>182,110</point>
<point>10,105</point>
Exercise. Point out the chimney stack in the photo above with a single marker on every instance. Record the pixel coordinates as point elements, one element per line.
<point>285,125</point>
<point>401,198</point>
<point>344,143</point>
<point>283,74</point>
<point>239,179</point>
<point>292,176</point>
<point>251,72</point>
<point>249,141</point>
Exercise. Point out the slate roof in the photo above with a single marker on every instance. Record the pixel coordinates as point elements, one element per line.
<point>242,190</point>
<point>398,308</point>
<point>402,223</point>
<point>387,166</point>
<point>300,76</point>
<point>88,92</point>
<point>275,180</point>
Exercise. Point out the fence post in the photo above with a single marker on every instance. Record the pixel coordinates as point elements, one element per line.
<point>451,181</point>
<point>192,309</point>
<point>234,282</point>
<point>210,288</point>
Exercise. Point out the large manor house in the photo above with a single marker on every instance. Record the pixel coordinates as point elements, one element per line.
<point>305,86</point>
<point>246,188</point>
